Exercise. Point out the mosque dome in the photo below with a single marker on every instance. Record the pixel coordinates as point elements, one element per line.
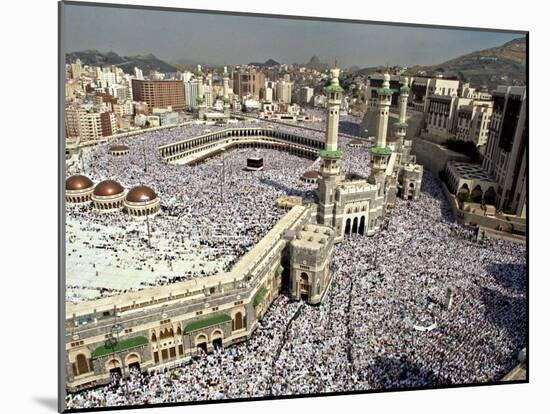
<point>78,182</point>
<point>141,193</point>
<point>108,188</point>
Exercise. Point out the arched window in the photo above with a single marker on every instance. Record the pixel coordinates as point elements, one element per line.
<point>238,321</point>
<point>82,364</point>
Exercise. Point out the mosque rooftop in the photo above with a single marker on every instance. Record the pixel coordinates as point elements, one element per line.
<point>384,91</point>
<point>380,150</point>
<point>331,154</point>
<point>334,88</point>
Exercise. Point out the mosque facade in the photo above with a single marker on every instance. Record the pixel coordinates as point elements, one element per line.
<point>360,206</point>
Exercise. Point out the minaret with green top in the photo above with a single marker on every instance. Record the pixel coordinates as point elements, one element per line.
<point>380,152</point>
<point>331,156</point>
<point>400,127</point>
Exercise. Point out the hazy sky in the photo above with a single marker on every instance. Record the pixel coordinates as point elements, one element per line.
<point>221,39</point>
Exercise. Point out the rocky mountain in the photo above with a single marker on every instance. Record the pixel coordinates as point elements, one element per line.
<point>145,62</point>
<point>315,63</point>
<point>505,64</point>
<point>501,65</point>
<point>267,64</point>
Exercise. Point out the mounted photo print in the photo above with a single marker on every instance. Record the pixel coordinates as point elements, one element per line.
<point>265,206</point>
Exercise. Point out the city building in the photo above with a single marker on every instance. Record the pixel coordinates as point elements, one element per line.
<point>506,154</point>
<point>89,125</point>
<point>284,91</point>
<point>306,95</point>
<point>159,93</point>
<point>422,88</point>
<point>191,93</point>
<point>141,108</point>
<point>76,69</point>
<point>473,122</point>
<point>138,73</point>
<point>248,82</point>
<point>375,81</point>
<point>168,118</point>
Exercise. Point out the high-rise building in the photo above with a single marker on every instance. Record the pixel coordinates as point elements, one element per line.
<point>472,122</point>
<point>123,108</point>
<point>160,93</point>
<point>122,92</point>
<point>139,73</point>
<point>89,125</point>
<point>248,82</point>
<point>72,122</point>
<point>306,95</point>
<point>268,94</point>
<point>506,154</point>
<point>76,69</point>
<point>208,100</point>
<point>141,108</point>
<point>284,91</point>
<point>422,88</point>
<point>191,93</point>
<point>106,78</point>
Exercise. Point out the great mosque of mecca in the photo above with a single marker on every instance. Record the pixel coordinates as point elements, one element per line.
<point>172,322</point>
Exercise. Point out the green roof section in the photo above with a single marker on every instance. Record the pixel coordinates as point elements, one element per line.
<point>331,154</point>
<point>380,150</point>
<point>120,346</point>
<point>405,89</point>
<point>259,296</point>
<point>205,323</point>
<point>401,125</point>
<point>384,91</point>
<point>334,88</point>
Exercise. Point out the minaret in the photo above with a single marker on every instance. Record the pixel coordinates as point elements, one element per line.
<point>200,93</point>
<point>400,127</point>
<point>334,92</point>
<point>331,155</point>
<point>384,102</point>
<point>225,91</point>
<point>380,153</point>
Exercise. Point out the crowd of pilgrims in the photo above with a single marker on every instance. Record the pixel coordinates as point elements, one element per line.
<point>349,125</point>
<point>194,226</point>
<point>364,334</point>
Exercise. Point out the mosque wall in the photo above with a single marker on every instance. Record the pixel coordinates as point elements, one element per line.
<point>433,156</point>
